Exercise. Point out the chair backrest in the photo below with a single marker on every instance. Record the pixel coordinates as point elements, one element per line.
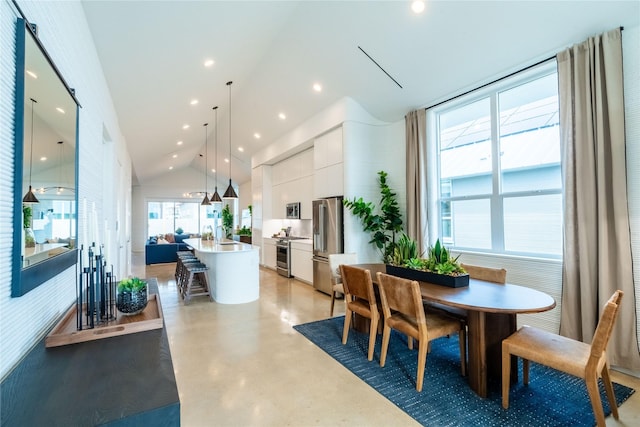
<point>334,264</point>
<point>357,282</point>
<point>605,324</point>
<point>401,295</point>
<point>496,275</point>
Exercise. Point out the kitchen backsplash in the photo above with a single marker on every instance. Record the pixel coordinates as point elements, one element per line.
<point>299,227</point>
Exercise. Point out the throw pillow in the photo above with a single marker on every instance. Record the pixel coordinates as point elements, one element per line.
<point>162,242</point>
<point>169,238</point>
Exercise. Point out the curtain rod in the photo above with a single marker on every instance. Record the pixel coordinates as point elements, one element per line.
<point>496,80</point>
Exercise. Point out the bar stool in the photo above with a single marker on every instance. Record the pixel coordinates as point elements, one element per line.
<point>182,257</point>
<point>197,283</point>
<point>183,274</point>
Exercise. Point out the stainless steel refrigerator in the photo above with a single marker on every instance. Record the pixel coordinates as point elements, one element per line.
<point>327,239</point>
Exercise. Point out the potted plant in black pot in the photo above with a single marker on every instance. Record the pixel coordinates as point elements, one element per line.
<point>132,296</point>
<point>439,267</point>
<point>382,221</point>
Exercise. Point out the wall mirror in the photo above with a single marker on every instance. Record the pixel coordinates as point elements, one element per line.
<point>45,191</point>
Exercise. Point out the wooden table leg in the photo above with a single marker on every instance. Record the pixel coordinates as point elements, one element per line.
<point>477,352</point>
<point>485,335</point>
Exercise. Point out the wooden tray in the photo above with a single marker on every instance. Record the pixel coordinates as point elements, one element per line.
<point>65,331</point>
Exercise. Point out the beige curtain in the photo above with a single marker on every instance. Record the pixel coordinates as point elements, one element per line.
<point>597,247</point>
<point>417,225</point>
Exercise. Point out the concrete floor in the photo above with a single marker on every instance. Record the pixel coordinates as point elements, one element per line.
<point>244,365</point>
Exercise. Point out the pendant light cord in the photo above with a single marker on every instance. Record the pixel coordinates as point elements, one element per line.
<point>206,159</point>
<point>215,147</point>
<point>229,84</point>
<point>31,155</point>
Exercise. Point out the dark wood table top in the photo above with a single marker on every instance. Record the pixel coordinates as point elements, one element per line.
<point>481,296</point>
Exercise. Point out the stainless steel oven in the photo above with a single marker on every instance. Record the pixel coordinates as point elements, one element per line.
<point>283,255</point>
<point>283,258</point>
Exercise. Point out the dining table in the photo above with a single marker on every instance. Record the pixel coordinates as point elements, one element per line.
<point>491,317</point>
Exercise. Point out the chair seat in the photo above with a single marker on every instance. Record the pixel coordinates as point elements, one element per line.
<point>437,325</point>
<point>555,351</point>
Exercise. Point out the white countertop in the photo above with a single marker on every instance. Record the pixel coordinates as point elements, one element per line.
<point>302,241</point>
<point>217,247</point>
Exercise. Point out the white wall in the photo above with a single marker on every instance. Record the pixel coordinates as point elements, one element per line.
<point>371,148</point>
<point>64,32</point>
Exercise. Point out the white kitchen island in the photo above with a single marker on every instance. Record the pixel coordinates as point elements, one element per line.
<point>234,276</point>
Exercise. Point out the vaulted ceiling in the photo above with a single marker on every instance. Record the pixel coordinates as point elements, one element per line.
<point>153,54</point>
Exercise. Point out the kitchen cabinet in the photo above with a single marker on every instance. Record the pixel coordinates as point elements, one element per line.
<point>328,165</point>
<point>329,181</point>
<point>293,183</point>
<point>269,253</point>
<point>301,260</point>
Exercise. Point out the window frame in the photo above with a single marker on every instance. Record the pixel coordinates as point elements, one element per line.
<point>496,198</point>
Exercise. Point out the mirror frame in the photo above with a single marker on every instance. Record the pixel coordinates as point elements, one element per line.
<point>26,279</point>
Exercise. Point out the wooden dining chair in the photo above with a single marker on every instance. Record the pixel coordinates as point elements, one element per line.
<point>403,311</point>
<point>586,361</point>
<point>336,278</point>
<point>359,298</point>
<point>495,275</point>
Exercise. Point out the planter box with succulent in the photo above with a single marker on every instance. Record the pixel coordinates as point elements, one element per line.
<point>131,296</point>
<point>438,267</point>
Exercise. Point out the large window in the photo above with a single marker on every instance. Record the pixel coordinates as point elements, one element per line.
<point>191,217</point>
<point>498,167</point>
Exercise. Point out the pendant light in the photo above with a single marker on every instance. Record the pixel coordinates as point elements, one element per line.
<point>230,193</point>
<point>31,198</point>
<point>216,197</point>
<point>205,201</point>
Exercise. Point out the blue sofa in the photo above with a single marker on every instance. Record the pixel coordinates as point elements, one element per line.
<point>155,253</point>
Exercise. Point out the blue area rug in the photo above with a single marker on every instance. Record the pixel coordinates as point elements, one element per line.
<point>551,398</point>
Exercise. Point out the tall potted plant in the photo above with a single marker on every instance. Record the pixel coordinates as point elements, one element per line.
<point>227,221</point>
<point>29,236</point>
<point>383,226</point>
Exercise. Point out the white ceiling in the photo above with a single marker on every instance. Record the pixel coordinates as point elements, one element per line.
<point>152,53</point>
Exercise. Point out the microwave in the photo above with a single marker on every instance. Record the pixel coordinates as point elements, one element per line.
<point>293,210</point>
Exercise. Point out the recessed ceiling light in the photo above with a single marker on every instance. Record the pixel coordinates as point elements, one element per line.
<point>170,167</point>
<point>32,74</point>
<point>59,110</point>
<point>240,149</point>
<point>194,102</point>
<point>417,6</point>
<point>43,159</point>
<point>257,135</point>
<point>185,126</point>
<point>226,160</point>
<point>175,156</point>
<point>179,143</point>
<point>213,170</point>
<point>317,87</point>
<point>209,63</point>
<point>282,116</point>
